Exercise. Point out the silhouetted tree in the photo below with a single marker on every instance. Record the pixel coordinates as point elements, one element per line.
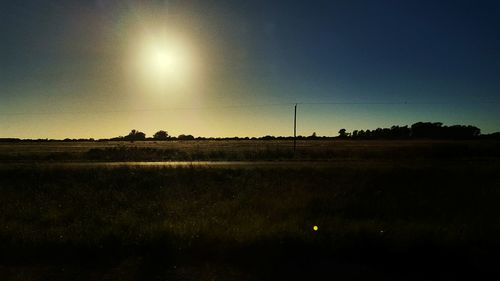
<point>161,135</point>
<point>268,137</point>
<point>343,134</point>
<point>438,131</point>
<point>185,137</point>
<point>355,134</point>
<point>135,135</point>
<point>427,130</point>
<point>361,134</point>
<point>313,136</point>
<point>398,132</point>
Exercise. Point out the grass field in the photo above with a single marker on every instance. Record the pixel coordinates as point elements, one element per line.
<point>246,150</point>
<point>385,211</point>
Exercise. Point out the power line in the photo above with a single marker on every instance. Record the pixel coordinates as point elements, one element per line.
<point>236,106</point>
<point>146,110</point>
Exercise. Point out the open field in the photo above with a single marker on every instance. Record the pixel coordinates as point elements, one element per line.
<point>246,150</point>
<point>385,211</point>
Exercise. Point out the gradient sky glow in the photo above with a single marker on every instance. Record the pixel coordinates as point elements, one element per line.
<point>75,69</point>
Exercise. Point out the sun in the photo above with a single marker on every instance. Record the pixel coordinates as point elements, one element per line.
<point>165,61</point>
<point>162,63</point>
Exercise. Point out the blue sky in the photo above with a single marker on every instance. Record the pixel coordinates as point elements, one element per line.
<point>65,66</point>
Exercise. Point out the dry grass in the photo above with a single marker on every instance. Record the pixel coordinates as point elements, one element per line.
<point>245,150</point>
<point>246,223</point>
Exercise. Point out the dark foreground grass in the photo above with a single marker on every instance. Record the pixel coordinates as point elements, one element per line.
<point>376,220</point>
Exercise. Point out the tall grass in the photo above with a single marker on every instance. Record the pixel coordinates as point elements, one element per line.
<point>217,208</point>
<point>434,206</point>
<point>248,150</point>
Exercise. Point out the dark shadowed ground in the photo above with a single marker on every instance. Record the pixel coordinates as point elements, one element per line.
<point>385,211</point>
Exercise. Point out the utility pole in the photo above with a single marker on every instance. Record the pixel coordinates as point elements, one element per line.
<point>295,128</point>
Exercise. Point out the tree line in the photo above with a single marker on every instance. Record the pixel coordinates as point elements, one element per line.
<point>420,130</point>
<point>161,135</point>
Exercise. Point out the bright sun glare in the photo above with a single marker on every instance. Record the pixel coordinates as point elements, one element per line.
<point>164,63</point>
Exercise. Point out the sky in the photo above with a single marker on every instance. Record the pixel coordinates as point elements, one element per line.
<point>99,68</point>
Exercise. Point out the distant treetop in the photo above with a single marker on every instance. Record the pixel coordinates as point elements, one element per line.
<point>161,135</point>
<point>135,135</point>
<point>420,130</point>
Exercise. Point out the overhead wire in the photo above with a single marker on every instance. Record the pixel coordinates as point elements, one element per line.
<point>231,106</point>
